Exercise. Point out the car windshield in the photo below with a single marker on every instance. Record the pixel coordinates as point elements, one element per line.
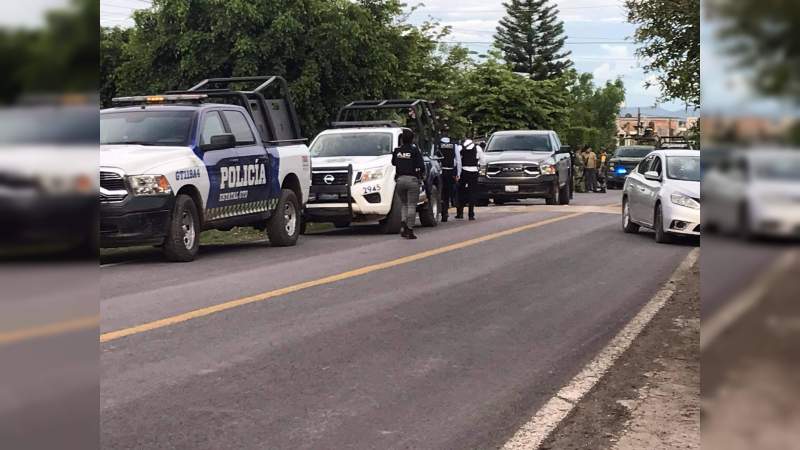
<point>157,128</point>
<point>520,142</point>
<point>64,125</point>
<point>683,168</point>
<point>352,144</point>
<point>633,152</point>
<point>780,168</point>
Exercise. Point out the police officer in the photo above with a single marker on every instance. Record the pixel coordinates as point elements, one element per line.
<point>409,171</point>
<point>451,166</point>
<point>471,160</point>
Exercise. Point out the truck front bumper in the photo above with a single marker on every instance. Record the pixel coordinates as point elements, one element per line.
<point>538,187</point>
<point>135,221</point>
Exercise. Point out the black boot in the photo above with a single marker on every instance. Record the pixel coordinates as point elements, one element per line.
<point>403,229</point>
<point>410,234</point>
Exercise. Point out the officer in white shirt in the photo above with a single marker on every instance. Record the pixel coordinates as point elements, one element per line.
<point>471,160</point>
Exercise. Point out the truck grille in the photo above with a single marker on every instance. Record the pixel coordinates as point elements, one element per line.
<point>330,178</point>
<point>111,181</point>
<point>512,170</point>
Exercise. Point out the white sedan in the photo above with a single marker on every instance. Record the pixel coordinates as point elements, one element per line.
<point>663,193</point>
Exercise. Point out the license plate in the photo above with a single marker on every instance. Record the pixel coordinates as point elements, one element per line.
<point>512,188</point>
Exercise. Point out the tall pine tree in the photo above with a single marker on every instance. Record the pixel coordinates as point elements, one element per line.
<point>532,39</point>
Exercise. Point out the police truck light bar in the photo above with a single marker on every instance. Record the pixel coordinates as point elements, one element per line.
<point>154,99</point>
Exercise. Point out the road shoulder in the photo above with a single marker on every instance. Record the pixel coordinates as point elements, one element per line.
<point>650,397</point>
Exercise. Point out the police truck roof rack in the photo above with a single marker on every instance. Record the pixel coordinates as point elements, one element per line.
<point>422,121</point>
<point>366,124</point>
<point>267,101</point>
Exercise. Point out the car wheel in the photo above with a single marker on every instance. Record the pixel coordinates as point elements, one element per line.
<point>661,236</point>
<point>554,199</point>
<point>183,236</point>
<point>429,214</point>
<point>391,224</point>
<point>564,195</point>
<point>627,224</point>
<point>283,228</point>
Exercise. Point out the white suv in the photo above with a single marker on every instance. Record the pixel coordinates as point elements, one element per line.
<point>353,179</point>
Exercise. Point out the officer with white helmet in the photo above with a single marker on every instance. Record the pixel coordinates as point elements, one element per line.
<point>471,160</point>
<point>451,166</point>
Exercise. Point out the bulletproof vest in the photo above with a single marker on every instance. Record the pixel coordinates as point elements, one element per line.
<point>448,150</point>
<point>404,161</point>
<point>469,158</point>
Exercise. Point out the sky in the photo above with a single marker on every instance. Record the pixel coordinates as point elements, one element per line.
<point>28,13</point>
<point>597,34</point>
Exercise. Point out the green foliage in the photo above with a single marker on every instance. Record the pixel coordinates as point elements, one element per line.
<point>592,112</point>
<point>669,34</point>
<point>532,38</point>
<point>762,36</point>
<point>112,42</point>
<point>60,57</point>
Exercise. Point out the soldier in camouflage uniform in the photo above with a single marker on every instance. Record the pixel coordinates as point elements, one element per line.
<point>580,184</point>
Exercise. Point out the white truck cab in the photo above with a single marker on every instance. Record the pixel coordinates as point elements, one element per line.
<point>353,179</point>
<point>174,165</point>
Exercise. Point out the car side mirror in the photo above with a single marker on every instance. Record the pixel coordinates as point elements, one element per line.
<point>219,142</point>
<point>652,176</point>
<point>565,149</point>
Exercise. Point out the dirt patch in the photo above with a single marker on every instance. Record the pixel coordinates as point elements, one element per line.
<point>651,396</point>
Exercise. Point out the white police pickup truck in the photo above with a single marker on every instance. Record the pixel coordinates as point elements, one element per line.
<point>211,157</point>
<point>353,176</point>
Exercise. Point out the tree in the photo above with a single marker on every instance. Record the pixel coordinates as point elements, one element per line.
<point>112,43</point>
<point>532,38</point>
<point>593,111</point>
<point>668,32</point>
<point>762,36</point>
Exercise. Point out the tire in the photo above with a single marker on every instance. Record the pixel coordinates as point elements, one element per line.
<point>183,234</point>
<point>564,195</point>
<point>661,236</point>
<point>429,214</point>
<point>627,224</point>
<point>391,224</point>
<point>283,228</point>
<point>555,198</point>
<point>745,230</point>
<point>499,202</point>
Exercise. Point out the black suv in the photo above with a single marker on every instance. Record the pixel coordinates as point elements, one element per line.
<point>526,164</point>
<point>623,162</point>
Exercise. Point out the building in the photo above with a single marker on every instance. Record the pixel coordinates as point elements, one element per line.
<point>633,123</point>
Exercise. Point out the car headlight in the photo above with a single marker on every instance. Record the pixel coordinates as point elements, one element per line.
<point>547,169</point>
<point>684,200</point>
<point>370,175</point>
<point>149,185</point>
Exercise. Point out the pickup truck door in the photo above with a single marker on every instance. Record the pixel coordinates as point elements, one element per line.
<point>216,161</point>
<point>254,174</point>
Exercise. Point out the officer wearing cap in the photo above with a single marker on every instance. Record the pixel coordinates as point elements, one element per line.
<point>451,166</point>
<point>471,160</point>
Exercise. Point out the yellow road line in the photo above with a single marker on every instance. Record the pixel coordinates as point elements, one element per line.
<point>50,329</point>
<point>202,312</point>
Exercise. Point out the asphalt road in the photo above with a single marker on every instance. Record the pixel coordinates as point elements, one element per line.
<point>453,348</point>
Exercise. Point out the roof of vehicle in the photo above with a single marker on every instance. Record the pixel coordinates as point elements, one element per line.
<point>642,147</point>
<point>524,132</point>
<point>676,152</point>
<point>393,130</point>
<point>170,107</point>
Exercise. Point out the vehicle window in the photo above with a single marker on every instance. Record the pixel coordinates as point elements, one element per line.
<point>683,168</point>
<point>644,165</point>
<point>781,168</point>
<point>49,125</point>
<point>633,152</point>
<point>239,127</point>
<point>212,126</point>
<point>162,128</point>
<point>520,142</point>
<point>353,144</point>
<point>656,166</point>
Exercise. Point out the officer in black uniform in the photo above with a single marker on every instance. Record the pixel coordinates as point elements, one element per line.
<point>471,160</point>
<point>451,166</point>
<point>409,172</point>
